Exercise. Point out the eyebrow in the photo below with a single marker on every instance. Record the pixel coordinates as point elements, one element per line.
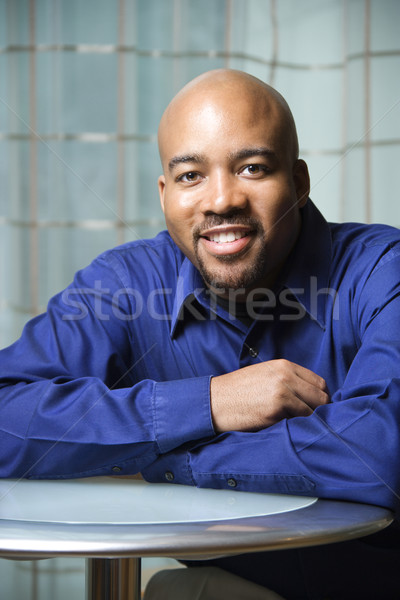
<point>239,155</point>
<point>249,152</point>
<point>186,158</point>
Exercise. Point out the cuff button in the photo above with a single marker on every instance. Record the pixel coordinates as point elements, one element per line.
<point>232,482</point>
<point>169,476</point>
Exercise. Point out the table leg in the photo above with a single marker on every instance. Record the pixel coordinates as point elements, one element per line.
<point>113,578</point>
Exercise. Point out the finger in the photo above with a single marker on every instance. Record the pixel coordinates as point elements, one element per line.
<point>287,368</point>
<point>311,378</point>
<point>310,394</point>
<point>300,382</point>
<point>298,408</point>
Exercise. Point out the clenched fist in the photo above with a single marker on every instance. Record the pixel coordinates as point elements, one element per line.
<point>258,396</point>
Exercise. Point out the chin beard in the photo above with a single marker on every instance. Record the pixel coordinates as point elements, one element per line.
<point>234,277</point>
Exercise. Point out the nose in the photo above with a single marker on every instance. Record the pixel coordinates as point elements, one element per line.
<point>223,194</point>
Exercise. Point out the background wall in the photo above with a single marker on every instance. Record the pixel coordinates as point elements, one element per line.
<point>83,84</point>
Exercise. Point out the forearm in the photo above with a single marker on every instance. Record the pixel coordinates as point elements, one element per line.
<point>80,428</point>
<point>345,450</point>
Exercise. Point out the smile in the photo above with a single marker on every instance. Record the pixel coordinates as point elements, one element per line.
<point>224,237</point>
<point>227,240</point>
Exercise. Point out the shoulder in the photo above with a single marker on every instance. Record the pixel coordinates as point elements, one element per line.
<point>361,242</point>
<point>366,263</point>
<point>143,260</point>
<point>363,234</point>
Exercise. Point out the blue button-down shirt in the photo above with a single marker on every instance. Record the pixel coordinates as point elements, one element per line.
<point>115,377</point>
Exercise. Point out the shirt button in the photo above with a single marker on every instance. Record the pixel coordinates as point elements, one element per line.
<point>232,482</point>
<point>116,469</point>
<point>169,476</point>
<point>253,352</point>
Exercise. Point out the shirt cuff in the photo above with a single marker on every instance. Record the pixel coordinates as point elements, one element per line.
<point>173,467</point>
<point>182,412</point>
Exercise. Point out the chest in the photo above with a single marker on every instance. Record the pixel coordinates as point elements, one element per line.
<point>213,346</point>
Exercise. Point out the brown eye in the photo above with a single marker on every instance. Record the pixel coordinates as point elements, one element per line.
<point>189,177</point>
<point>254,170</point>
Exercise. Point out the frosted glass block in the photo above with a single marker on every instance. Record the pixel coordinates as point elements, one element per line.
<point>326,184</point>
<point>354,26</point>
<point>183,26</point>
<point>142,170</point>
<point>51,99</point>
<point>154,87</point>
<point>4,110</point>
<point>128,23</point>
<point>130,117</point>
<point>89,22</point>
<point>354,109</point>
<point>18,179</point>
<point>4,171</point>
<point>17,579</point>
<point>16,321</point>
<point>86,92</point>
<point>61,579</point>
<point>315,99</point>
<point>385,202</point>
<point>205,25</point>
<point>310,32</point>
<point>354,207</point>
<point>252,28</point>
<point>17,20</point>
<point>77,180</point>
<point>6,267</point>
<point>132,161</point>
<point>8,334</point>
<point>385,98</point>
<point>48,22</point>
<point>154,25</point>
<point>385,19</point>
<point>148,169</point>
<point>18,284</point>
<point>17,92</point>
<point>158,79</point>
<point>63,251</point>
<point>3,24</point>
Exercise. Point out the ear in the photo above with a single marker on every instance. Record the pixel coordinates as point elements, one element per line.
<point>161,190</point>
<point>301,181</point>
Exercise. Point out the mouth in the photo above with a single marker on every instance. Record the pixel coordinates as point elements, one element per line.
<point>227,240</point>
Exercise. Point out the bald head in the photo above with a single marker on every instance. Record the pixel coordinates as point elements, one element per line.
<point>232,187</point>
<point>233,93</point>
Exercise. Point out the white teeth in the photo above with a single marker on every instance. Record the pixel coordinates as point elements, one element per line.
<point>226,236</point>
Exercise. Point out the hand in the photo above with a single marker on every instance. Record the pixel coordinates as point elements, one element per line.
<point>259,396</point>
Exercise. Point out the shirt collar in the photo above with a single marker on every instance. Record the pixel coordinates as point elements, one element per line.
<point>306,274</point>
<point>189,283</point>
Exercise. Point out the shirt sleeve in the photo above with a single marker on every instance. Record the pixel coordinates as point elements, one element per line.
<point>70,404</point>
<point>347,450</point>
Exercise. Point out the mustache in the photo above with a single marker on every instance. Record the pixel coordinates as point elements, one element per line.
<point>220,220</point>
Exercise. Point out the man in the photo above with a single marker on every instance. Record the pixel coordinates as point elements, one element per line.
<point>253,346</point>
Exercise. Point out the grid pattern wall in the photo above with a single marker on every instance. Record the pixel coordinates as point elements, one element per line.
<point>83,85</point>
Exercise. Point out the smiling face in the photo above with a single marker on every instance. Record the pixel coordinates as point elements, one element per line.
<point>232,184</point>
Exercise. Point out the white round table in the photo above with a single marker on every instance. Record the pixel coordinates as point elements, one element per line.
<point>113,522</point>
